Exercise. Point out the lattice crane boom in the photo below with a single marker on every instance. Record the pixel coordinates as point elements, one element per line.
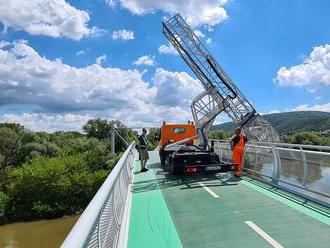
<point>221,94</point>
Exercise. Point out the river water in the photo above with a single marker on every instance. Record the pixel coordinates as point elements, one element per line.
<point>35,234</point>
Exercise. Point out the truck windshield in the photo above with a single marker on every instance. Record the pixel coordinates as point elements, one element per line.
<point>179,130</point>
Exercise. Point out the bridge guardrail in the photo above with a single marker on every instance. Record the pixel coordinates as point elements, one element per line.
<point>301,169</point>
<point>99,225</point>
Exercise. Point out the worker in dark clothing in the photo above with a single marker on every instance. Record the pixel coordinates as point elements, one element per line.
<point>237,145</point>
<point>143,149</point>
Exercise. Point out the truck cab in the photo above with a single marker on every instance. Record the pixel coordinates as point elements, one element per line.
<point>177,149</point>
<point>173,132</point>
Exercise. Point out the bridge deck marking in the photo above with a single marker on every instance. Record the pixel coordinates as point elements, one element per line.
<point>208,190</point>
<point>263,234</point>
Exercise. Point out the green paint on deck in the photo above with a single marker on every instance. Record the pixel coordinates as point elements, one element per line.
<point>291,201</point>
<point>151,224</point>
<point>204,221</point>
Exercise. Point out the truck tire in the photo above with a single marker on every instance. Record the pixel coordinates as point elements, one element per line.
<point>162,157</point>
<point>174,168</point>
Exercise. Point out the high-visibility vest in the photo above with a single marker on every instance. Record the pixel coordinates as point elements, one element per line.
<point>240,145</point>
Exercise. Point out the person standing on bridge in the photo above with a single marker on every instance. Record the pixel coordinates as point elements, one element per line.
<point>237,145</point>
<point>143,149</point>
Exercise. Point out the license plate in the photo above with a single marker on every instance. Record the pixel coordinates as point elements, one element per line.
<point>213,168</point>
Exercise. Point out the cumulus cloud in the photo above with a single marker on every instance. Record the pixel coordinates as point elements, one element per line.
<point>55,86</point>
<point>56,89</point>
<point>145,60</point>
<point>314,72</point>
<point>318,107</point>
<point>53,18</point>
<point>208,41</point>
<point>101,59</point>
<point>123,34</point>
<point>175,88</point>
<point>4,43</point>
<point>48,122</point>
<point>197,12</point>
<point>167,49</point>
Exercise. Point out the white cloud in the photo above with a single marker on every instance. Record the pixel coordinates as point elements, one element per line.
<point>123,34</point>
<point>313,72</point>
<point>199,33</point>
<point>167,49</point>
<point>53,18</point>
<point>80,52</point>
<point>100,60</point>
<point>55,86</point>
<point>175,88</point>
<point>197,12</point>
<point>208,41</point>
<point>145,60</point>
<point>48,122</point>
<point>4,43</point>
<point>274,111</point>
<point>318,107</point>
<point>54,89</point>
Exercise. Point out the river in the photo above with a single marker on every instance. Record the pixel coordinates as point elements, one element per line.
<point>35,234</point>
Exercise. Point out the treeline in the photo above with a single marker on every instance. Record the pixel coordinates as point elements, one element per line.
<point>47,175</point>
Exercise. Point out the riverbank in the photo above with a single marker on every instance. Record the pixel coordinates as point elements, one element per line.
<point>44,233</point>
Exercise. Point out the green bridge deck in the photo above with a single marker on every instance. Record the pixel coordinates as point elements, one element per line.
<point>177,211</point>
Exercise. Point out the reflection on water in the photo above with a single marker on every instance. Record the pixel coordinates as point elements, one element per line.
<point>35,234</point>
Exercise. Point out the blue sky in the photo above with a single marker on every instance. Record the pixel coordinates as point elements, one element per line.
<point>63,62</point>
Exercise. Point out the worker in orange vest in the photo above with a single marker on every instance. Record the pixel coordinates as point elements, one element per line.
<point>237,144</point>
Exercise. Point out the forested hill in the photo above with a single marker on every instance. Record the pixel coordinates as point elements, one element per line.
<point>291,122</point>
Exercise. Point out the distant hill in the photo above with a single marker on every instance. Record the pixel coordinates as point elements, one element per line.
<point>291,122</point>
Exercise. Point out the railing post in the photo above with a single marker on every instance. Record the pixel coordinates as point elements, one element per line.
<point>276,165</point>
<point>305,166</point>
<point>112,140</point>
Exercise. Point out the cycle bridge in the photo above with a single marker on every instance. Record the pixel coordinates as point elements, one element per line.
<point>283,200</point>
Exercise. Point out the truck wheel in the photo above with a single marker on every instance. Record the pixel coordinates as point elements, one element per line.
<point>162,157</point>
<point>175,169</point>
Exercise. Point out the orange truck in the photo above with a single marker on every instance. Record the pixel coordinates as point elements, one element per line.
<point>178,151</point>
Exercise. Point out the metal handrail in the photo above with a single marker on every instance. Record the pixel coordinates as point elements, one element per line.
<point>105,209</point>
<point>278,157</point>
<point>289,145</point>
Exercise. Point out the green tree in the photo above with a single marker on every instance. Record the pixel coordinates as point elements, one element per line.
<point>97,128</point>
<point>17,128</point>
<point>9,147</point>
<point>307,138</point>
<point>218,134</point>
<point>153,141</point>
<point>100,129</point>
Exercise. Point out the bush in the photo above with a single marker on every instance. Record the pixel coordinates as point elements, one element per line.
<point>51,187</point>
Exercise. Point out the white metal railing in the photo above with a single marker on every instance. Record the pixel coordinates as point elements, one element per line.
<point>100,223</point>
<point>302,169</point>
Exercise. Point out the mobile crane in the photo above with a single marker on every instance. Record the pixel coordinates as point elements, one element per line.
<point>220,95</point>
